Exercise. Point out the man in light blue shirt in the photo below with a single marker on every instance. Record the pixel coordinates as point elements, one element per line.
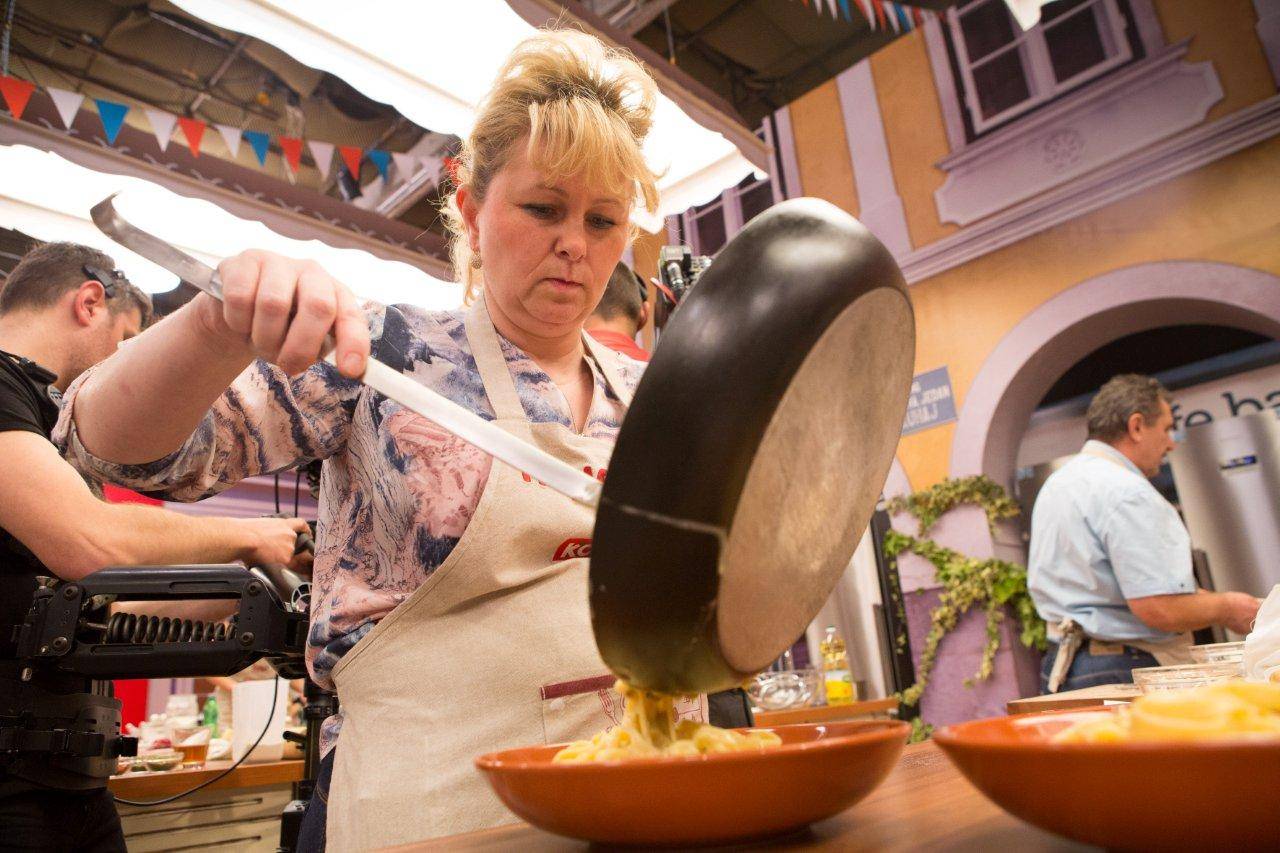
<point>1110,563</point>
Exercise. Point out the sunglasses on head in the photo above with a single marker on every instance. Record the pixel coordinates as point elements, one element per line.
<point>107,278</point>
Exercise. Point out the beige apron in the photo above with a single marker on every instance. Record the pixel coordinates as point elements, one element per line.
<point>1070,637</point>
<point>494,650</point>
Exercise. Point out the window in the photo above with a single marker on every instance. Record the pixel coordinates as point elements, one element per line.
<point>709,226</point>
<point>1005,72</point>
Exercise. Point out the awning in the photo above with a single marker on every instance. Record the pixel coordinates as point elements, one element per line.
<point>48,197</point>
<point>434,61</point>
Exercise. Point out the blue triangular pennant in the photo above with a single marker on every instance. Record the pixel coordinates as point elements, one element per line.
<point>380,159</point>
<point>844,7</point>
<point>903,17</point>
<point>112,115</point>
<point>259,141</point>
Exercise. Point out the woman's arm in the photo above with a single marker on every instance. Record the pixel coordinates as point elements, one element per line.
<point>144,402</point>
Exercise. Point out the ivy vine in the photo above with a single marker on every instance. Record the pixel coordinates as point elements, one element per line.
<point>967,583</point>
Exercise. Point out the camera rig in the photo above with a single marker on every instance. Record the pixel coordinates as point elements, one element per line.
<point>57,727</point>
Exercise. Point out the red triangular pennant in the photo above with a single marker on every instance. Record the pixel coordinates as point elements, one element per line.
<point>193,130</point>
<point>291,147</point>
<point>351,155</point>
<point>16,93</point>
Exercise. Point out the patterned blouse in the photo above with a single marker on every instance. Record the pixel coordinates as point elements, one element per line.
<point>396,491</point>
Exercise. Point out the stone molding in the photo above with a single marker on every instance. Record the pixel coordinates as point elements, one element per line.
<point>880,207</point>
<point>1176,155</point>
<point>1124,112</point>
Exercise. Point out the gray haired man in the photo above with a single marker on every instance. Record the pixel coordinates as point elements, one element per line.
<point>1110,564</point>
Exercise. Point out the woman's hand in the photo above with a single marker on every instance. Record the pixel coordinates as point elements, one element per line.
<point>283,309</point>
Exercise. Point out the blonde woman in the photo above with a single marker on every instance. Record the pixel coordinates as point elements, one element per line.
<point>450,607</point>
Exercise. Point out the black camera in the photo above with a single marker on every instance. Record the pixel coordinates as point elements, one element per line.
<point>678,272</point>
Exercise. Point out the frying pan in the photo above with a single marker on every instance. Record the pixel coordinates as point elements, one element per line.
<point>750,460</point>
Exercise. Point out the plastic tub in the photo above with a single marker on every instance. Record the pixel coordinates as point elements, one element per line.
<point>1219,653</point>
<point>1154,678</point>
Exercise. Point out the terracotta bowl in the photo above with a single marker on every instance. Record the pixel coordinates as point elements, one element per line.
<point>1123,796</point>
<point>818,771</point>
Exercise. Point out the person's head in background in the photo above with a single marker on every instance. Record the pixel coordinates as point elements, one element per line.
<point>622,308</point>
<point>66,307</point>
<point>1132,414</point>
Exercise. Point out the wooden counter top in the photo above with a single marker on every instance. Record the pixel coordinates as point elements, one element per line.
<point>152,786</point>
<point>1085,697</point>
<point>925,804</point>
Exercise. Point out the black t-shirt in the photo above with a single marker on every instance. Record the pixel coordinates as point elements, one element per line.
<point>25,404</point>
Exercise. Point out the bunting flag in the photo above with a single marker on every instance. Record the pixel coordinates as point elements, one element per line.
<point>901,14</point>
<point>193,130</point>
<point>381,159</point>
<point>881,20</point>
<point>16,93</point>
<point>161,125</point>
<point>67,103</point>
<point>322,153</point>
<point>451,165</point>
<point>351,155</point>
<point>291,147</point>
<point>231,136</point>
<point>112,115</point>
<point>879,14</point>
<point>259,142</point>
<point>406,164</point>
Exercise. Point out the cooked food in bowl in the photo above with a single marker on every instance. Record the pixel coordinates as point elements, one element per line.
<point>649,728</point>
<point>1231,709</point>
<point>818,771</point>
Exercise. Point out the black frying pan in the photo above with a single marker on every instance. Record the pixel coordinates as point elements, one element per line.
<point>754,452</point>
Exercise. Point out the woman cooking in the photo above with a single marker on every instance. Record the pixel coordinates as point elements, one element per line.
<point>450,606</point>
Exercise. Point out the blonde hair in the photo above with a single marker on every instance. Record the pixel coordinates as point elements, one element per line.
<point>585,109</point>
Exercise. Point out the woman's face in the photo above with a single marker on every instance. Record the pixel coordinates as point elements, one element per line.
<point>547,248</point>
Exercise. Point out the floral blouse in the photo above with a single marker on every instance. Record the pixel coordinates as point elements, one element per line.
<point>396,491</point>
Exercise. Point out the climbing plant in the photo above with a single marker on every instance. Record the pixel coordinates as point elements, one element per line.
<point>967,582</point>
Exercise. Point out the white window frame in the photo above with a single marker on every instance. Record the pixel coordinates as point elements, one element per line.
<point>1036,63</point>
<point>729,204</point>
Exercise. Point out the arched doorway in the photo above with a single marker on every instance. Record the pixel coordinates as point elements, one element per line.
<point>1031,357</point>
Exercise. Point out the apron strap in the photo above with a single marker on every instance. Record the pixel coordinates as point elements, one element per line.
<point>497,379</point>
<point>608,362</point>
<point>492,364</point>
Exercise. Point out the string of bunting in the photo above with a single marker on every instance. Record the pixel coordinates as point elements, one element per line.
<point>17,92</point>
<point>879,14</point>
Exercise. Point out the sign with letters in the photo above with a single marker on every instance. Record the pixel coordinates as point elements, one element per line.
<point>931,402</point>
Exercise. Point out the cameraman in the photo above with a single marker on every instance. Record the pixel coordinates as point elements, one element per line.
<point>62,309</point>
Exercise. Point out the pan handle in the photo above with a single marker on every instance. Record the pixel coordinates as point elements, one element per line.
<point>486,435</point>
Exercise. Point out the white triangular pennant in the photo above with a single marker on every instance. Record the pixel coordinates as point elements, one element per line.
<point>231,136</point>
<point>406,164</point>
<point>433,165</point>
<point>67,104</point>
<point>831,4</point>
<point>322,153</point>
<point>162,125</point>
<point>864,6</point>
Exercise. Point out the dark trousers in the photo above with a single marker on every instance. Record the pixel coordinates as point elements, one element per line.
<point>311,838</point>
<point>53,821</point>
<point>1090,670</point>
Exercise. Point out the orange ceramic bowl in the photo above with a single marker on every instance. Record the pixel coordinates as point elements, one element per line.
<point>1123,796</point>
<point>818,771</point>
